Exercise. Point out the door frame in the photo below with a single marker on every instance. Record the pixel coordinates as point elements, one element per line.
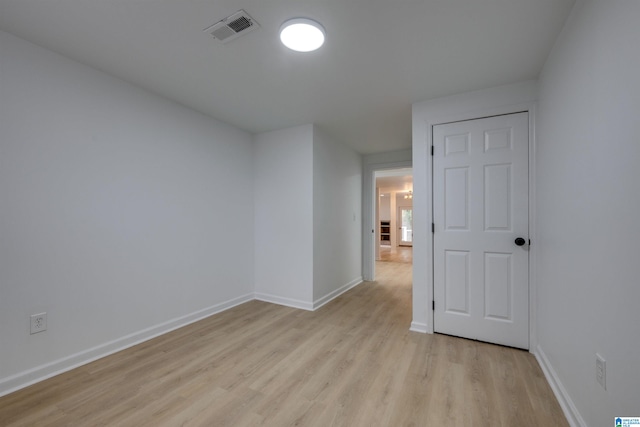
<point>520,97</point>
<point>369,225</point>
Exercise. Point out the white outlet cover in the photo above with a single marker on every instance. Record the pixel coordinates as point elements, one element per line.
<point>38,323</point>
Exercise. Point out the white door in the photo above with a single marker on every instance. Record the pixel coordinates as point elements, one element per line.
<point>480,209</point>
<point>405,226</point>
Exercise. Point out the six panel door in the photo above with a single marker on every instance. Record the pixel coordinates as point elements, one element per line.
<point>480,208</point>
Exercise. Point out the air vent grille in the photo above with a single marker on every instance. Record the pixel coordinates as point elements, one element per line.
<point>240,24</point>
<point>232,27</point>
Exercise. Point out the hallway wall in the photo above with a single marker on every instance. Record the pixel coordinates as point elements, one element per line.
<point>588,204</point>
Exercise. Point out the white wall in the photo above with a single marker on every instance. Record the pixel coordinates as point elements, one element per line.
<point>588,204</point>
<point>112,218</point>
<point>337,218</point>
<point>283,166</point>
<point>307,217</point>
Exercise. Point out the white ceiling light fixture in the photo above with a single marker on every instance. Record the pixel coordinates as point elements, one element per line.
<point>302,34</point>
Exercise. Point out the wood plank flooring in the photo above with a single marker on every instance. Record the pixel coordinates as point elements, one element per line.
<point>351,363</point>
<point>396,253</point>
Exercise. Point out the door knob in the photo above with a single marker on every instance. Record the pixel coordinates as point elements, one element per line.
<point>520,241</point>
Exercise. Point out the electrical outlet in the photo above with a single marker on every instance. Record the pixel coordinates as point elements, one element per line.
<point>601,371</point>
<point>38,323</point>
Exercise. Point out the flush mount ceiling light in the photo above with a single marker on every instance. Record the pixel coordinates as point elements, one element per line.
<point>302,34</point>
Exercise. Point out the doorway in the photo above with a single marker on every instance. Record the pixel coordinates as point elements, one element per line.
<point>393,216</point>
<point>405,225</point>
<point>376,164</point>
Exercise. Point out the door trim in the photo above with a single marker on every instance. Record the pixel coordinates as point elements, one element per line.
<point>508,99</point>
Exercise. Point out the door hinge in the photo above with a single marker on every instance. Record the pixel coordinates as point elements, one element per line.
<point>529,242</point>
<point>433,227</point>
<point>432,150</point>
<point>433,305</point>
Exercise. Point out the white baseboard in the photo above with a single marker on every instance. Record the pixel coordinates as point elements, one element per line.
<point>40,373</point>
<point>289,302</point>
<point>419,327</point>
<point>335,294</point>
<point>568,407</point>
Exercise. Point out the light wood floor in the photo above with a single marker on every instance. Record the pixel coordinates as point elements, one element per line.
<point>396,254</point>
<point>351,363</point>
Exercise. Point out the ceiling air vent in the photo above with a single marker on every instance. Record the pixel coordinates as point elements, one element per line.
<point>232,27</point>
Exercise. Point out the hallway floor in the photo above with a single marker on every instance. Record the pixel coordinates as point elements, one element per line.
<point>396,254</point>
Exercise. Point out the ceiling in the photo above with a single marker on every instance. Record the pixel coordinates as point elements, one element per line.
<point>395,179</point>
<point>378,59</point>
